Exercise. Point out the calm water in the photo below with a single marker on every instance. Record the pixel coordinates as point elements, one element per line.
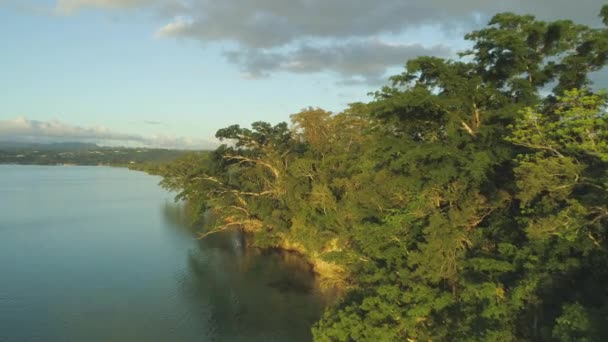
<point>102,254</point>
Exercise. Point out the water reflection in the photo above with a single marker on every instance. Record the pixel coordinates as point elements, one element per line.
<point>103,258</point>
<point>243,293</point>
<point>180,218</point>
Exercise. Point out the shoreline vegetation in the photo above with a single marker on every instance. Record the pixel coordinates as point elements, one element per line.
<point>195,221</point>
<point>329,278</point>
<point>465,201</point>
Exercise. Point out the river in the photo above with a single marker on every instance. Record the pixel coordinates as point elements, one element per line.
<point>104,254</point>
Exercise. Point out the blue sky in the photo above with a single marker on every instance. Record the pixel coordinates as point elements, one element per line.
<point>174,71</point>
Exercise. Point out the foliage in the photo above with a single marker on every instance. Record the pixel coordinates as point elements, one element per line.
<point>459,204</point>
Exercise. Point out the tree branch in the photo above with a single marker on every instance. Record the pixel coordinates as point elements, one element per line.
<point>242,159</point>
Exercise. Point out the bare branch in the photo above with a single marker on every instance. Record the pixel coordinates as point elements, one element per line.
<point>540,147</point>
<point>219,229</point>
<point>476,119</point>
<point>243,159</point>
<point>209,178</point>
<point>467,128</point>
<point>245,193</point>
<point>224,227</point>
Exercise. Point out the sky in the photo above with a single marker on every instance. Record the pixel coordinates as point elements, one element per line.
<point>170,73</point>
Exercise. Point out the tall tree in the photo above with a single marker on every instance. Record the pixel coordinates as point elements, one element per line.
<point>461,203</point>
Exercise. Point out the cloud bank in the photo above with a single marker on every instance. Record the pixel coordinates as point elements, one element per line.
<point>72,6</point>
<point>365,61</point>
<point>23,129</point>
<point>348,38</point>
<point>269,23</point>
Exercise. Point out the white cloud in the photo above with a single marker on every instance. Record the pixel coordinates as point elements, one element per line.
<point>72,6</point>
<point>173,28</point>
<point>274,35</point>
<point>21,128</point>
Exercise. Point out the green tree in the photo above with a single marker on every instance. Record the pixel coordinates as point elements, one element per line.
<point>459,204</point>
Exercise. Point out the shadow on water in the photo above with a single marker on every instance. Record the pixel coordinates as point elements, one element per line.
<point>244,293</point>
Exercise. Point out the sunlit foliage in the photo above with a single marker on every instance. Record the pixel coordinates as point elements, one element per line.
<point>468,201</point>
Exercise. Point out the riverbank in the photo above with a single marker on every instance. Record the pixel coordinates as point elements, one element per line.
<point>330,278</point>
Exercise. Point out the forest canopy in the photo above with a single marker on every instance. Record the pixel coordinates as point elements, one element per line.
<point>466,201</point>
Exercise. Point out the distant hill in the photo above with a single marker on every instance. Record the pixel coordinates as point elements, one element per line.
<point>78,153</point>
<point>59,146</point>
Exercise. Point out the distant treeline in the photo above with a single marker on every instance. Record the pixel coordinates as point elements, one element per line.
<point>83,154</point>
<point>468,201</point>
